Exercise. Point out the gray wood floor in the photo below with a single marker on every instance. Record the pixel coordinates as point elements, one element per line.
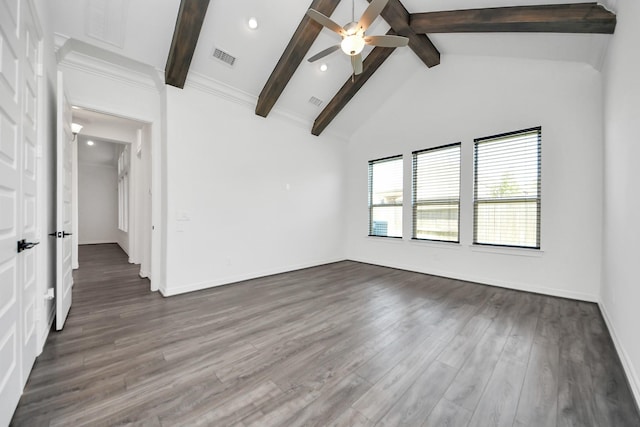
<point>345,344</point>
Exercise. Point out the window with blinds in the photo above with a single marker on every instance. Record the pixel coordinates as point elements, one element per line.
<point>385,197</point>
<point>436,193</point>
<point>507,189</point>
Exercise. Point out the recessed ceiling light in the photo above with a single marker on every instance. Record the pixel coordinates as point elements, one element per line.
<point>252,23</point>
<point>90,143</point>
<point>323,67</point>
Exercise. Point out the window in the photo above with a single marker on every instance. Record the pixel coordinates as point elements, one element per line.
<point>385,197</point>
<point>123,190</point>
<point>436,193</point>
<point>507,189</point>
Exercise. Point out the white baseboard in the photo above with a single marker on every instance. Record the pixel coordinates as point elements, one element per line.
<point>45,334</point>
<point>96,242</point>
<point>176,290</point>
<point>629,370</point>
<point>581,296</point>
<point>126,251</point>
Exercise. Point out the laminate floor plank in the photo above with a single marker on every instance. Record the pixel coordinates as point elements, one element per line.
<point>415,405</point>
<point>538,404</point>
<point>343,344</point>
<point>447,414</point>
<point>498,404</point>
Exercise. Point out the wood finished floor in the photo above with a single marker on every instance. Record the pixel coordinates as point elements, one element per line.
<point>345,344</point>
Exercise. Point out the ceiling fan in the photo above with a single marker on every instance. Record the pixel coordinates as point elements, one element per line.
<point>353,34</point>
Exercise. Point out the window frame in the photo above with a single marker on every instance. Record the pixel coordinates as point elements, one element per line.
<point>415,204</point>
<point>537,199</point>
<point>370,164</point>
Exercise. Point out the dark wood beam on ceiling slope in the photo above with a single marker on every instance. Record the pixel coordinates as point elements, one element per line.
<point>555,18</point>
<point>294,53</point>
<point>371,63</point>
<point>185,38</point>
<point>398,19</point>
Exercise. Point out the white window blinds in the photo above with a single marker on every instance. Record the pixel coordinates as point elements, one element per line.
<point>385,197</point>
<point>507,189</point>
<point>436,193</point>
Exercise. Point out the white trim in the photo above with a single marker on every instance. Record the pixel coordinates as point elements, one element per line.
<point>629,370</point>
<point>143,274</point>
<point>505,250</point>
<point>435,244</point>
<point>557,292</point>
<point>215,87</point>
<point>45,334</point>
<point>176,290</point>
<point>123,250</point>
<point>75,54</point>
<point>97,242</point>
<point>100,68</point>
<point>156,181</point>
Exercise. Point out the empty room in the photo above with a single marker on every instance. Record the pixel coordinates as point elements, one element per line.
<point>319,212</point>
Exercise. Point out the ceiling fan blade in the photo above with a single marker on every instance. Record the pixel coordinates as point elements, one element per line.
<point>371,13</point>
<point>387,41</point>
<point>356,63</point>
<point>324,53</point>
<point>325,21</point>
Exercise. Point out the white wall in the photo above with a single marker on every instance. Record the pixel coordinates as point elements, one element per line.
<point>97,203</point>
<point>471,97</point>
<point>620,296</point>
<point>247,196</point>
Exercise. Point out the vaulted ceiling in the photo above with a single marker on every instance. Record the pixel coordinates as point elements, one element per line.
<point>143,30</point>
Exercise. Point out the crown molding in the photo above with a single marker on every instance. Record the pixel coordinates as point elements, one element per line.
<point>217,88</point>
<point>75,54</point>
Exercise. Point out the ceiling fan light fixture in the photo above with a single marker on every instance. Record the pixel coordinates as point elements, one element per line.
<point>352,44</point>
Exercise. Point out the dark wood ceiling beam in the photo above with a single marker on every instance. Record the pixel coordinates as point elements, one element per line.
<point>371,63</point>
<point>398,18</point>
<point>185,39</point>
<point>555,18</point>
<point>294,53</point>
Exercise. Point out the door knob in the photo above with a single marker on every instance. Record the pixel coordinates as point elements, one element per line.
<point>23,245</point>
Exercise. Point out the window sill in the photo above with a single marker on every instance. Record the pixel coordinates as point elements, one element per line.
<point>386,239</point>
<point>507,251</point>
<point>436,244</point>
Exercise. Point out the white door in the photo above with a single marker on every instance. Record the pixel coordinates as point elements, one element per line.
<point>30,39</point>
<point>19,57</point>
<point>64,281</point>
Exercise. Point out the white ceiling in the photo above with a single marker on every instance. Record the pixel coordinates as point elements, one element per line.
<point>101,153</point>
<point>142,30</point>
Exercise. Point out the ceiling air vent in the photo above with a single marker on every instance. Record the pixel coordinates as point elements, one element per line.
<point>315,101</point>
<point>224,57</point>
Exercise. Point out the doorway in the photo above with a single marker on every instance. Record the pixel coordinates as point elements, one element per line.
<point>112,189</point>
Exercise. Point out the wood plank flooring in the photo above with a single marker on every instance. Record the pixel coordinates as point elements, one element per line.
<point>346,344</point>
